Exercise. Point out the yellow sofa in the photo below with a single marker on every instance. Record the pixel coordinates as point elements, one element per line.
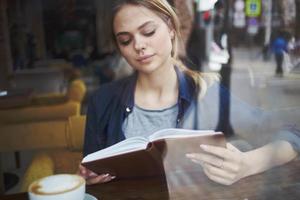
<point>43,123</point>
<point>45,113</point>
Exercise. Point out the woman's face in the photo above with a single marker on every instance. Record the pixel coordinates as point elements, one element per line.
<point>143,38</point>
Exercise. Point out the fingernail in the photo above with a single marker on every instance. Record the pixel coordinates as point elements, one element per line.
<point>106,175</point>
<point>189,155</point>
<point>93,174</point>
<point>112,177</point>
<point>203,146</point>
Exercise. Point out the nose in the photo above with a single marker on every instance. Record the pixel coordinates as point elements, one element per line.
<point>139,44</point>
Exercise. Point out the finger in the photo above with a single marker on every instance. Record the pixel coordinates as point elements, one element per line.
<point>194,158</point>
<point>217,179</point>
<point>229,146</point>
<point>94,180</point>
<point>219,172</point>
<point>206,158</point>
<point>215,161</point>
<point>82,173</point>
<point>197,161</point>
<point>86,173</point>
<point>92,174</point>
<point>109,178</point>
<point>218,151</point>
<point>98,179</point>
<point>82,169</point>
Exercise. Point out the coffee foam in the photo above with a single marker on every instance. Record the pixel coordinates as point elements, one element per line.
<point>56,184</point>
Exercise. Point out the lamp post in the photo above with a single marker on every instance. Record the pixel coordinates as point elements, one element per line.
<point>224,124</point>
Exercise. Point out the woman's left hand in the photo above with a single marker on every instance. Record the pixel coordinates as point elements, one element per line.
<point>222,165</point>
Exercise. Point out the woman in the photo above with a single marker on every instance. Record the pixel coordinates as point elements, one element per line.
<point>279,46</point>
<point>161,94</point>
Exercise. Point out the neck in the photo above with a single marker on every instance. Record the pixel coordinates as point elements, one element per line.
<point>157,90</point>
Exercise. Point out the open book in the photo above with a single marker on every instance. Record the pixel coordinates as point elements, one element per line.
<point>140,156</point>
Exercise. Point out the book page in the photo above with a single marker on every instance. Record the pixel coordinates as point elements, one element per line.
<point>126,146</point>
<point>179,133</point>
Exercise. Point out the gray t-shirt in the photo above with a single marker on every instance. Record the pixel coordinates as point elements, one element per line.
<point>142,122</point>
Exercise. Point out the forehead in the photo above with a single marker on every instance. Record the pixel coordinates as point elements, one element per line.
<point>130,17</point>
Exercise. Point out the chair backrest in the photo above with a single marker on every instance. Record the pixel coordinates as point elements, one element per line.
<point>76,90</point>
<point>43,135</point>
<point>75,133</point>
<point>32,114</point>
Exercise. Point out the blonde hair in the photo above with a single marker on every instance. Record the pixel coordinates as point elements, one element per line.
<point>165,11</point>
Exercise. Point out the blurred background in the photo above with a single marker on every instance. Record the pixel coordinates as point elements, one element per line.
<point>54,54</point>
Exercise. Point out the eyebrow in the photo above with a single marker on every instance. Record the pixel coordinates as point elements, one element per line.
<point>139,28</point>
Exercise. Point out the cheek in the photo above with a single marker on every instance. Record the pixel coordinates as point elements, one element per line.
<point>128,55</point>
<point>125,52</point>
<point>163,43</point>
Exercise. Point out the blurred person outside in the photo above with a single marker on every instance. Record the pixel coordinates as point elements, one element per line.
<point>279,46</point>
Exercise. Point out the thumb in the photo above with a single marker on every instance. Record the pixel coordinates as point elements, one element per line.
<point>231,147</point>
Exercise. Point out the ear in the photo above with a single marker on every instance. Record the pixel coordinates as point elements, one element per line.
<point>172,34</point>
<point>171,29</point>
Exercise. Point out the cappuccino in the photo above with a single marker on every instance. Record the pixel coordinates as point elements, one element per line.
<point>61,186</point>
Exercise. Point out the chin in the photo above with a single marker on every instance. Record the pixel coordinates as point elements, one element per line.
<point>147,68</point>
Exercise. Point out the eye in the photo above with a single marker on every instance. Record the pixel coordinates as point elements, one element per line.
<point>149,33</point>
<point>125,42</point>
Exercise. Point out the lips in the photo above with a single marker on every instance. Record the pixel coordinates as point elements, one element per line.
<point>145,58</point>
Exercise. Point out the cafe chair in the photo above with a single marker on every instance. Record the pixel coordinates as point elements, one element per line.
<point>56,159</point>
<point>39,123</point>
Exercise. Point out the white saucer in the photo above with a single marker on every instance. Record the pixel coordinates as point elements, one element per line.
<point>89,197</point>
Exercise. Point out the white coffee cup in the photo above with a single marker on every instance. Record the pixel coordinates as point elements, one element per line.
<point>58,187</point>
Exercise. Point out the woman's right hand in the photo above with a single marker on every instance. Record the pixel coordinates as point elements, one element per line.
<point>93,178</point>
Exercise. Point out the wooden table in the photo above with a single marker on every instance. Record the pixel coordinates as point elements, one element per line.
<point>281,183</point>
